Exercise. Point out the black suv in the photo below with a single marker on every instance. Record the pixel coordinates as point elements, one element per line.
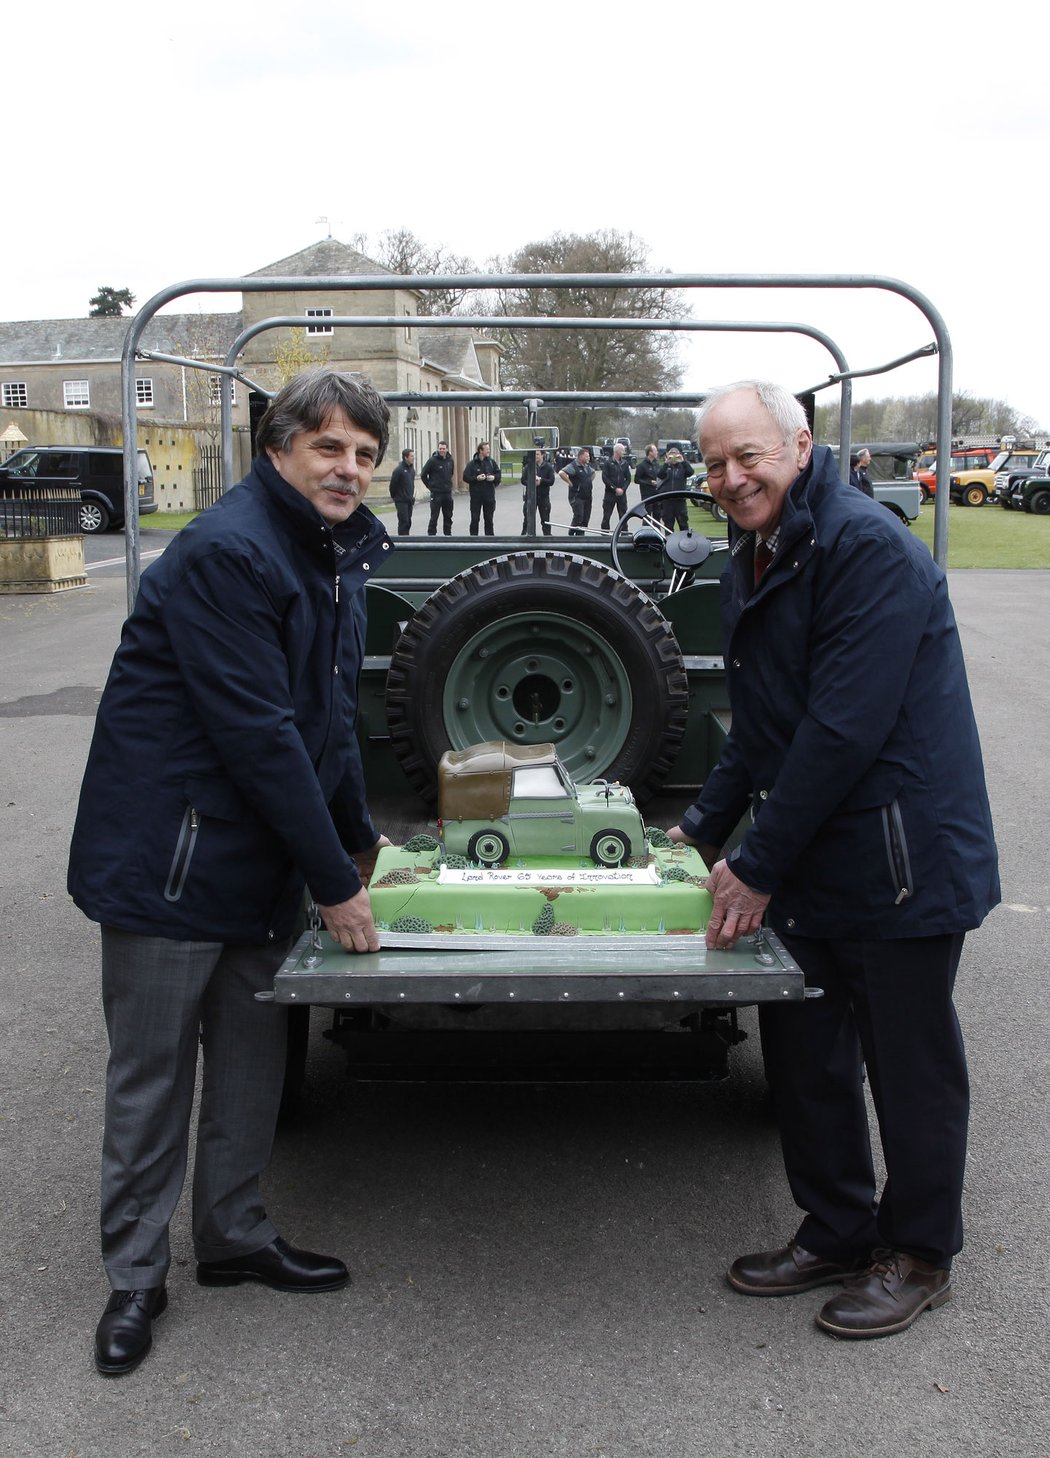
<point>97,470</point>
<point>1022,486</point>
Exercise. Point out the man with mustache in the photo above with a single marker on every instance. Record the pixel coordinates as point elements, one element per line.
<point>224,774</point>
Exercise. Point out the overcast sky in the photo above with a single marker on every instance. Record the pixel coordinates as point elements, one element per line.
<point>903,139</point>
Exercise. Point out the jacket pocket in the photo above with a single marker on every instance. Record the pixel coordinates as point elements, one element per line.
<point>897,851</point>
<point>184,848</point>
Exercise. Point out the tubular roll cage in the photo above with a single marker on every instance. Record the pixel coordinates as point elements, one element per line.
<point>842,375</point>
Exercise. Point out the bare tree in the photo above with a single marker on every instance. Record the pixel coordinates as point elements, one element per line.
<point>205,340</point>
<point>914,417</point>
<point>585,359</point>
<point>400,250</point>
<point>292,355</point>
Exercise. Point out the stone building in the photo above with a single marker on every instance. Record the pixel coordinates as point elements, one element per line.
<point>60,378</point>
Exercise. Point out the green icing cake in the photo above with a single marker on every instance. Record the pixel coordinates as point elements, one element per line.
<point>517,899</point>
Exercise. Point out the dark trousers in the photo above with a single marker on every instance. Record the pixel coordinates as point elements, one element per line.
<point>404,517</point>
<point>674,514</point>
<point>887,1006</point>
<point>610,500</point>
<point>581,512</point>
<point>543,510</point>
<point>482,501</point>
<point>163,1001</point>
<point>440,506</point>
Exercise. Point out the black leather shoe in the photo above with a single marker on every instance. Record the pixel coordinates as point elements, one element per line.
<point>278,1265</point>
<point>786,1272</point>
<point>125,1333</point>
<point>887,1298</point>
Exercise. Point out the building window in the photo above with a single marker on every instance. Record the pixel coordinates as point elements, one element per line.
<point>144,393</point>
<point>215,390</point>
<point>15,395</point>
<point>319,328</point>
<point>408,332</point>
<point>77,394</point>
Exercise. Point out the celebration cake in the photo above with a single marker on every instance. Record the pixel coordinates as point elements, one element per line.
<point>521,851</point>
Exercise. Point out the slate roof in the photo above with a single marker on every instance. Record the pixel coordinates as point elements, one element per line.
<point>327,259</point>
<point>452,350</point>
<point>49,341</point>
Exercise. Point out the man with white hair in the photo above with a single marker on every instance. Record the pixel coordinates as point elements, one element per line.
<point>616,477</point>
<point>869,849</point>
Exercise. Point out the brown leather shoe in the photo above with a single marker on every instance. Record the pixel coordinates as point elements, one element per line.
<point>887,1298</point>
<point>786,1272</point>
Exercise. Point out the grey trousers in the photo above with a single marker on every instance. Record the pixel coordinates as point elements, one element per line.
<point>162,999</point>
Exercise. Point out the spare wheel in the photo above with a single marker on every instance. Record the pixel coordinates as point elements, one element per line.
<point>539,647</point>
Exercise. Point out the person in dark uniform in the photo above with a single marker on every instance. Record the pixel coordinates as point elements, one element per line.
<point>870,845</point>
<point>674,473</point>
<point>403,491</point>
<point>438,476</point>
<point>647,476</point>
<point>616,476</point>
<point>579,477</point>
<point>537,467</point>
<point>482,475</point>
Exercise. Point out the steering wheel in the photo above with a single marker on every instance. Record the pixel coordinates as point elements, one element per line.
<point>683,551</point>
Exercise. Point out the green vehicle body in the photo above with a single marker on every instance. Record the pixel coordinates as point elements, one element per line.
<point>498,800</point>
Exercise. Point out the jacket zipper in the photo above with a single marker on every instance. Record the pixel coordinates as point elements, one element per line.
<point>180,863</point>
<point>897,851</point>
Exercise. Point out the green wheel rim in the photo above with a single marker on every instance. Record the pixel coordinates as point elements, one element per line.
<point>489,848</point>
<point>537,678</point>
<point>610,849</point>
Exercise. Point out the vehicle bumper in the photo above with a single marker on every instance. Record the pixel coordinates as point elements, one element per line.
<point>674,971</point>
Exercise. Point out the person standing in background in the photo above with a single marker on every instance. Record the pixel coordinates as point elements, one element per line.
<point>579,476</point>
<point>403,491</point>
<point>482,476</point>
<point>438,476</point>
<point>537,467</point>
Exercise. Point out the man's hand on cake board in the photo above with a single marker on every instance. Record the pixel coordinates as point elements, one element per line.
<point>737,911</point>
<point>350,923</point>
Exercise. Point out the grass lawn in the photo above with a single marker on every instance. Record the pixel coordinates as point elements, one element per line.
<point>174,521</point>
<point>983,536</point>
<point>988,536</point>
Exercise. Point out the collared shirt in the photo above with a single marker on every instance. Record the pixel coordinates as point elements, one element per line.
<point>771,541</point>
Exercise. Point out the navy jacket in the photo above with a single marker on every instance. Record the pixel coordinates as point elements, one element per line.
<point>438,475</point>
<point>224,769</point>
<point>616,474</point>
<point>647,477</point>
<point>674,475</point>
<point>478,466</point>
<point>853,738</point>
<point>403,483</point>
<point>543,473</point>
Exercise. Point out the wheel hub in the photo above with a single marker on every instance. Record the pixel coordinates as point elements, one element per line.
<point>535,677</point>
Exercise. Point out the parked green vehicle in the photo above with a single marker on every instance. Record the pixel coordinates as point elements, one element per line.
<point>497,800</point>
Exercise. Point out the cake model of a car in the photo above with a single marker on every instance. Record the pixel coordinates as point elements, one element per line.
<point>523,851</point>
<point>497,800</point>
